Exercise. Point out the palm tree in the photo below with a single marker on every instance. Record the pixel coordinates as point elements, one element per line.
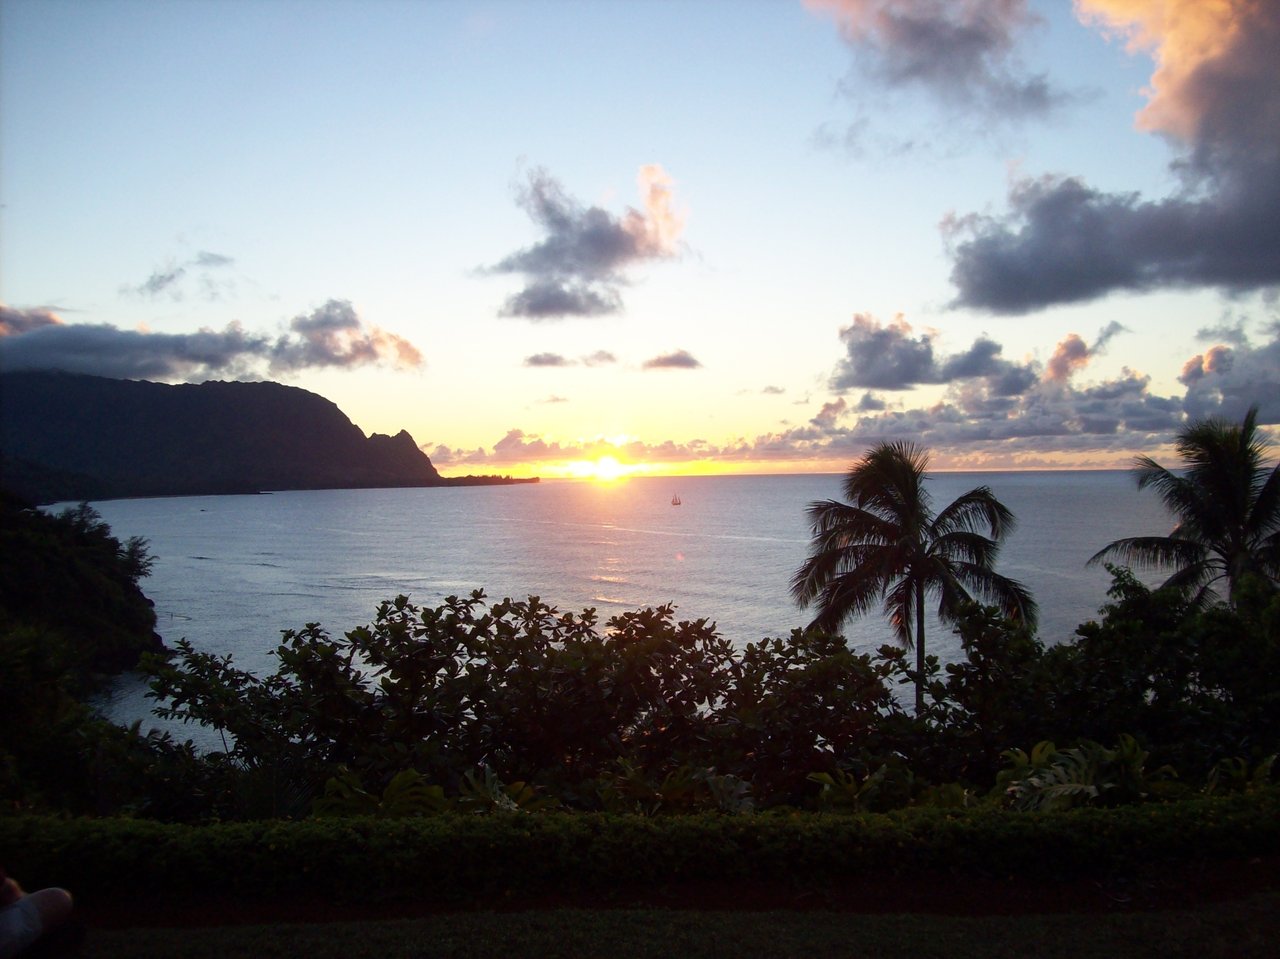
<point>1227,505</point>
<point>887,545</point>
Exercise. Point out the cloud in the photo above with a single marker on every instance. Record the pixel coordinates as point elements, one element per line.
<point>14,322</point>
<point>882,356</point>
<point>555,298</point>
<point>168,278</point>
<point>207,259</point>
<point>830,412</point>
<point>1225,331</point>
<point>1071,354</point>
<point>557,360</point>
<point>973,420</point>
<point>1226,380</point>
<point>330,336</point>
<point>1074,354</point>
<point>104,350</point>
<point>962,53</point>
<point>516,446</point>
<point>773,391</point>
<point>577,268</point>
<point>1215,96</point>
<point>1051,423</point>
<point>547,359</point>
<point>679,360</point>
<point>971,426</point>
<point>1218,359</point>
<point>333,335</point>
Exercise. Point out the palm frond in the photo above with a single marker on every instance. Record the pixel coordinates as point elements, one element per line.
<point>900,608</point>
<point>831,522</point>
<point>1264,518</point>
<point>1008,595</point>
<point>1180,496</point>
<point>967,547</point>
<point>889,481</point>
<point>841,597</point>
<point>975,510</point>
<point>1150,552</point>
<point>1197,581</point>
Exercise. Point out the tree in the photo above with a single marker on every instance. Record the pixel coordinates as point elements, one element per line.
<point>886,544</point>
<point>1227,505</point>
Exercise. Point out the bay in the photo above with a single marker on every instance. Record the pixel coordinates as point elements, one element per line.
<point>231,572</point>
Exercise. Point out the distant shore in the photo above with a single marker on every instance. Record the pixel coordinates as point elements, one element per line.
<point>442,483</point>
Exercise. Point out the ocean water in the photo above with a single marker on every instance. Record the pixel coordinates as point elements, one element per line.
<point>231,572</point>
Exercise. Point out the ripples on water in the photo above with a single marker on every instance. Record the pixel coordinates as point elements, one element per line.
<point>231,572</point>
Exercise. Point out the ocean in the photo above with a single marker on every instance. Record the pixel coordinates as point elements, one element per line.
<point>231,572</point>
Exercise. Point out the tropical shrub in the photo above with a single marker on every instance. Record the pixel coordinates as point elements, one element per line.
<point>520,690</point>
<point>803,704</point>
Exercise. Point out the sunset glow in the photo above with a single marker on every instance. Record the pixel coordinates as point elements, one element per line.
<point>1025,234</point>
<point>606,469</point>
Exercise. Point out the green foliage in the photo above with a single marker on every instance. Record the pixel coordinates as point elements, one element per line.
<point>843,791</point>
<point>70,611</point>
<point>679,791</point>
<point>68,577</point>
<point>649,715</point>
<point>1090,773</point>
<point>532,696</point>
<point>487,793</point>
<point>805,703</point>
<point>1194,685</point>
<point>1227,505</point>
<point>456,858</point>
<point>520,690</point>
<point>994,696</point>
<point>654,716</point>
<point>55,753</point>
<point>408,794</point>
<point>1236,775</point>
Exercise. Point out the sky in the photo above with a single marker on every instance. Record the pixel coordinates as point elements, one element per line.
<point>584,239</point>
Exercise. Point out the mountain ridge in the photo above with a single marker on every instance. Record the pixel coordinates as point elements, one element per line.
<point>71,436</point>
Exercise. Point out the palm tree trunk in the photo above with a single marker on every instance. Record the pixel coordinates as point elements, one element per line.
<point>919,649</point>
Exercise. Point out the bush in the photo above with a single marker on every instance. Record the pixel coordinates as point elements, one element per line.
<point>450,859</point>
<point>540,697</point>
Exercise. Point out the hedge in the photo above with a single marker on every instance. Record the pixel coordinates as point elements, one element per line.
<point>455,858</point>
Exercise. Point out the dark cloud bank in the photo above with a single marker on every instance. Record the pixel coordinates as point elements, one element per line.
<point>331,336</point>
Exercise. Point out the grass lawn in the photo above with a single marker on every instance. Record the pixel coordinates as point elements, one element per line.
<point>1239,929</point>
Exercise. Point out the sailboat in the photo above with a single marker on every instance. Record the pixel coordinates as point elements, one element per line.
<point>675,500</point>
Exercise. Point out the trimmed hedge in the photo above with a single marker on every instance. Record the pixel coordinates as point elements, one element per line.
<point>458,858</point>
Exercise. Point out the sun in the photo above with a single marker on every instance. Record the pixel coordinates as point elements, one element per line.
<point>608,468</point>
<point>604,469</point>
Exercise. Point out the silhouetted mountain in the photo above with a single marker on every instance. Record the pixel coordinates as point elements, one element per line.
<point>67,436</point>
